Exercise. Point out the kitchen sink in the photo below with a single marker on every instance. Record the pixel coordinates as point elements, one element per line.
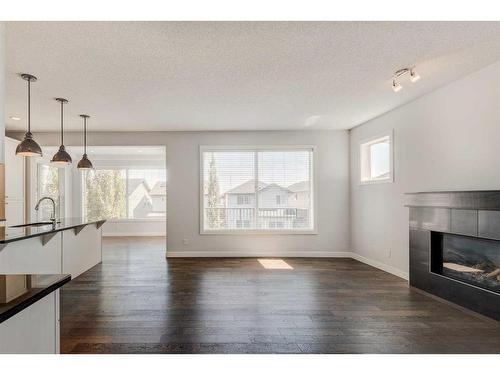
<point>37,224</point>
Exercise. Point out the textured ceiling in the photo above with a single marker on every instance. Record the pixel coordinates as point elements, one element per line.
<point>132,76</point>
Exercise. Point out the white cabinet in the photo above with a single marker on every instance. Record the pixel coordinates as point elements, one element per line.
<point>37,255</point>
<point>14,171</point>
<point>82,250</point>
<point>14,212</point>
<point>65,252</point>
<point>35,330</point>
<point>14,183</point>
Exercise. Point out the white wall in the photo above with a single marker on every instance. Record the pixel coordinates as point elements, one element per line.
<point>135,227</point>
<point>331,161</point>
<point>446,140</point>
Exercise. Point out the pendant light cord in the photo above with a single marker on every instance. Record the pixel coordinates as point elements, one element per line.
<point>29,105</point>
<point>85,135</point>
<point>62,129</point>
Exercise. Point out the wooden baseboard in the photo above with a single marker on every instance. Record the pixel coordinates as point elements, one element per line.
<point>382,266</point>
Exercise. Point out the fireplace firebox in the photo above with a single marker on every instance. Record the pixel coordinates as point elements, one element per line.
<point>474,261</point>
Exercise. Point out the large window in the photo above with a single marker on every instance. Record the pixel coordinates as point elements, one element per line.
<point>256,190</point>
<point>376,160</point>
<point>124,193</point>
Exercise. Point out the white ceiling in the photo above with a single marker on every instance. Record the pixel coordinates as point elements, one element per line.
<point>140,76</point>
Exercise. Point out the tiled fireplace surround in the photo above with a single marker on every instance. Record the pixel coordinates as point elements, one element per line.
<point>454,247</point>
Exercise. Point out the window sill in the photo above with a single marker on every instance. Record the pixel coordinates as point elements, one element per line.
<point>258,232</point>
<point>372,182</point>
<point>147,219</point>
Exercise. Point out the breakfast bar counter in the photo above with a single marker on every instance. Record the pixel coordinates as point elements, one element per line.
<point>29,313</point>
<point>69,246</point>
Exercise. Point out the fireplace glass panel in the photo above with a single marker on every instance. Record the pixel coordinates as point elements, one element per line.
<point>475,261</point>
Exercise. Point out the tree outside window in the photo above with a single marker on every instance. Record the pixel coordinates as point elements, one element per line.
<point>48,186</point>
<point>105,194</point>
<point>125,194</point>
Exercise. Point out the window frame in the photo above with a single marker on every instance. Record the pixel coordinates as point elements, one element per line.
<point>313,188</point>
<point>366,143</point>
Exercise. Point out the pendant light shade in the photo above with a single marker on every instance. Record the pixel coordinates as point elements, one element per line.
<point>28,146</point>
<point>85,163</point>
<point>61,156</point>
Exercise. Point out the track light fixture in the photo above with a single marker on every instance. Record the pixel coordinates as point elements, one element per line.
<point>414,77</point>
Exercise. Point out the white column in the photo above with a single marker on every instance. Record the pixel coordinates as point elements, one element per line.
<point>2,92</point>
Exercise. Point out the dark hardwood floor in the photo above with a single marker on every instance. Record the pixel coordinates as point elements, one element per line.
<point>138,302</point>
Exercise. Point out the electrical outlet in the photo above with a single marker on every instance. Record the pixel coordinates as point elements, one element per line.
<point>389,253</point>
<point>185,241</point>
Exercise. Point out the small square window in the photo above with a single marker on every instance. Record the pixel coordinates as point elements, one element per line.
<point>243,199</point>
<point>376,164</point>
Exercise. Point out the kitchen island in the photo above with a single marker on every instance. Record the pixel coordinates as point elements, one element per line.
<point>29,320</point>
<point>69,246</point>
<point>36,259</point>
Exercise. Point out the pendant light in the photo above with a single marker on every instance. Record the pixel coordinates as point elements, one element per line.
<point>61,157</point>
<point>85,163</point>
<point>28,146</point>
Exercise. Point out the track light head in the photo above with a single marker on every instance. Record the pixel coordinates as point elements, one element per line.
<point>414,76</point>
<point>396,86</point>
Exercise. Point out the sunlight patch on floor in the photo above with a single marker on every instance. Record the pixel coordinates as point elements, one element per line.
<point>275,264</point>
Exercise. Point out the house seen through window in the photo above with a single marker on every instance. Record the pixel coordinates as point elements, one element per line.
<point>126,184</point>
<point>257,189</point>
<point>124,193</point>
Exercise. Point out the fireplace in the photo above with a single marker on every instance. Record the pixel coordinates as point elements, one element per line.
<point>454,247</point>
<point>471,260</point>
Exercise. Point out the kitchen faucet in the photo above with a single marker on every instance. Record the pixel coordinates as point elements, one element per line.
<point>53,215</point>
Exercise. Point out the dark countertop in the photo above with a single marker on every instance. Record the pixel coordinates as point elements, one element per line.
<point>10,234</point>
<point>39,287</point>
